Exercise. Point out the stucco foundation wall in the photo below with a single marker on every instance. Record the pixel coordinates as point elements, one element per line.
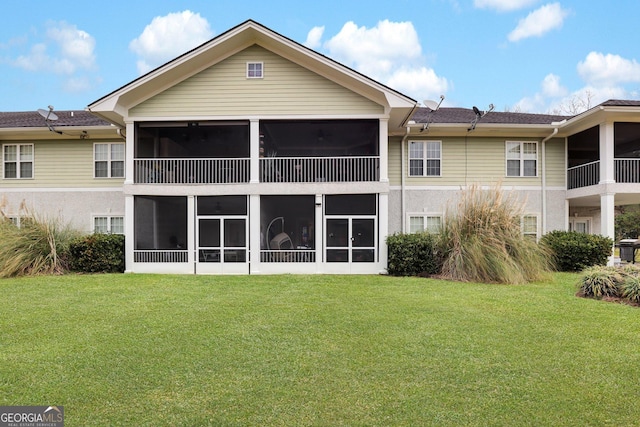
<point>435,202</point>
<point>77,208</point>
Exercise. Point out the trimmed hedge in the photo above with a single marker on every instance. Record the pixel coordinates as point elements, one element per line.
<point>97,253</point>
<point>412,254</point>
<point>575,251</point>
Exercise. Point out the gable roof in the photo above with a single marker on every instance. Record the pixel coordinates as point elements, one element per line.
<point>115,105</point>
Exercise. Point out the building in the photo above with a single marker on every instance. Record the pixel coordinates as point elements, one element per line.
<point>254,154</point>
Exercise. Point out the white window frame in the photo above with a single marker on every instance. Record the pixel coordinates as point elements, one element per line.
<point>425,216</point>
<point>18,161</point>
<point>425,157</point>
<point>535,234</point>
<point>109,219</point>
<point>252,70</point>
<point>586,220</point>
<point>15,219</point>
<point>522,158</point>
<point>109,159</point>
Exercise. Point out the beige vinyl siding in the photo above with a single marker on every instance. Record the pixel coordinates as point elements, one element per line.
<point>286,88</point>
<point>556,163</point>
<point>62,164</point>
<point>395,162</point>
<point>476,160</point>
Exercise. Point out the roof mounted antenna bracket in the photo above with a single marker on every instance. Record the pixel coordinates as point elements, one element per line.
<point>479,115</point>
<point>433,106</point>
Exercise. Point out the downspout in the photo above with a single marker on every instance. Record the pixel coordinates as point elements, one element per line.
<point>403,206</point>
<point>544,174</point>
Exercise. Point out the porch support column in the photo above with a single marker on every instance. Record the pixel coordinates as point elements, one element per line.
<point>255,234</point>
<point>607,163</point>
<point>607,225</point>
<point>319,236</point>
<point>383,226</point>
<point>191,231</point>
<point>384,150</point>
<point>128,232</point>
<point>254,151</point>
<point>129,153</point>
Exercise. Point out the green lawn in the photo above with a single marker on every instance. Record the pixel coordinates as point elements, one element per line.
<point>152,350</point>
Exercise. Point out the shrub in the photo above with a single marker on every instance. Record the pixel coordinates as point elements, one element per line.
<point>411,254</point>
<point>598,282</point>
<point>482,241</point>
<point>630,288</point>
<point>575,251</point>
<point>38,246</point>
<point>97,253</point>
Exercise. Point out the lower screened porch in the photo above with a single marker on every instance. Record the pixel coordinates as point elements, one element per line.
<point>238,234</point>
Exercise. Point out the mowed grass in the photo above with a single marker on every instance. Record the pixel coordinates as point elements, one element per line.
<point>161,350</point>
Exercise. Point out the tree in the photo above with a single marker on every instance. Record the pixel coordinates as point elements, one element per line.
<point>577,104</point>
<point>627,222</point>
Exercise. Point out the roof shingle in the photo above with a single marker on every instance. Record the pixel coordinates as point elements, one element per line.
<point>33,119</point>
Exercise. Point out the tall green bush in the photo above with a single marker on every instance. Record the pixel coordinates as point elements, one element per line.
<point>411,255</point>
<point>38,246</point>
<point>482,241</point>
<point>627,222</point>
<point>575,251</point>
<point>97,253</point>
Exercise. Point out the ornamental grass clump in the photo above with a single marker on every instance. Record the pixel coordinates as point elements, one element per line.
<point>599,282</point>
<point>36,246</point>
<point>482,241</point>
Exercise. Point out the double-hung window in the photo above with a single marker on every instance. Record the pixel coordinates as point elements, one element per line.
<point>428,223</point>
<point>522,158</point>
<point>108,160</point>
<point>108,224</point>
<point>425,158</point>
<point>17,161</point>
<point>530,226</point>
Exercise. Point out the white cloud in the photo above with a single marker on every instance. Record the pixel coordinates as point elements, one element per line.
<point>503,5</point>
<point>374,51</point>
<point>605,76</point>
<point>551,86</point>
<point>539,22</point>
<point>314,37</point>
<point>550,89</point>
<point>169,36</point>
<point>391,53</point>
<point>421,83</point>
<point>73,51</point>
<point>607,70</point>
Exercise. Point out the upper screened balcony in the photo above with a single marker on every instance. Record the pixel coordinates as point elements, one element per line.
<point>191,153</point>
<point>297,151</point>
<point>584,156</point>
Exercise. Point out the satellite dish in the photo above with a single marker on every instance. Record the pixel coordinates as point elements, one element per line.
<point>432,105</point>
<point>47,114</point>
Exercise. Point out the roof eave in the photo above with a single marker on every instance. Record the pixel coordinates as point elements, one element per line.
<point>482,130</point>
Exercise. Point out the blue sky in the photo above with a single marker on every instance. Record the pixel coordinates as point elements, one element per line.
<point>520,55</point>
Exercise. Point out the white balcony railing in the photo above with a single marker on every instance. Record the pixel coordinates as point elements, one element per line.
<point>627,170</point>
<point>160,256</point>
<point>280,256</point>
<point>272,169</point>
<point>191,171</point>
<point>583,175</point>
<point>320,169</point>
